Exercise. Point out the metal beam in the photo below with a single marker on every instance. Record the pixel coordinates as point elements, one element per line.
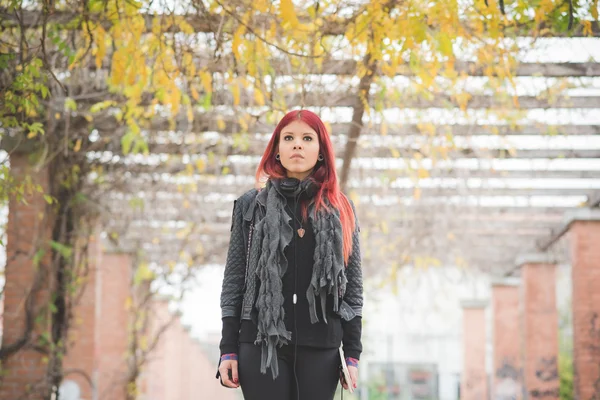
<point>209,23</point>
<point>204,122</point>
<point>441,100</point>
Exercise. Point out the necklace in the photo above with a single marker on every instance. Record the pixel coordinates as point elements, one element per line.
<point>300,230</point>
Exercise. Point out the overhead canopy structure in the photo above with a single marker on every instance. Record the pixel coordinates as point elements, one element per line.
<point>477,198</point>
<point>467,176</point>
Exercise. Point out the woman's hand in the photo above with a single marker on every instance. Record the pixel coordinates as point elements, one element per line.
<point>353,376</point>
<point>224,368</point>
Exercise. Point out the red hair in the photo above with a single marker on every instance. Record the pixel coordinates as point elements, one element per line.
<point>324,173</point>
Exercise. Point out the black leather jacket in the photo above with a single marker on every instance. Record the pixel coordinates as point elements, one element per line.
<point>238,293</point>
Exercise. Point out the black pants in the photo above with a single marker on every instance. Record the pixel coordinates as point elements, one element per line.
<point>316,371</point>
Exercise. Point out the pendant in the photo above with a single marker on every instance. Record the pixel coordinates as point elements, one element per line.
<point>301,232</point>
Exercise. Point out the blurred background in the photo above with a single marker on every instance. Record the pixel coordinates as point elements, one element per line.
<point>466,133</point>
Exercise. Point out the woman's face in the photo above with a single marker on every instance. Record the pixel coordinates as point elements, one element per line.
<point>298,149</point>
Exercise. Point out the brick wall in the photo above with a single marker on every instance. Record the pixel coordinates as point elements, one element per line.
<point>506,383</point>
<point>474,378</point>
<point>585,255</point>
<point>80,363</point>
<point>25,370</point>
<point>113,325</point>
<point>540,334</point>
<point>178,369</point>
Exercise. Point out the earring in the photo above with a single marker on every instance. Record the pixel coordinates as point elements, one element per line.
<point>320,158</point>
<point>278,157</point>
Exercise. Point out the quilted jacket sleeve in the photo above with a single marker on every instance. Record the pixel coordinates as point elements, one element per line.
<point>232,290</point>
<point>354,287</point>
<point>352,329</point>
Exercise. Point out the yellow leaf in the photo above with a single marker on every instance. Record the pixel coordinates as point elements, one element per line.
<point>185,27</point>
<point>261,5</point>
<point>194,93</point>
<point>221,124</point>
<point>423,173</point>
<point>57,115</point>
<point>31,135</point>
<point>101,43</point>
<point>206,79</point>
<point>384,129</point>
<point>417,193</point>
<point>200,165</point>
<point>236,43</point>
<point>77,146</point>
<point>259,98</point>
<point>384,227</point>
<point>288,14</point>
<point>143,343</point>
<point>235,91</point>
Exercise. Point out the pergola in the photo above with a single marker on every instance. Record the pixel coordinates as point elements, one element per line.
<point>478,196</point>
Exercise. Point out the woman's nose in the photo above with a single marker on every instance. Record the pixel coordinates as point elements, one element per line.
<point>298,145</point>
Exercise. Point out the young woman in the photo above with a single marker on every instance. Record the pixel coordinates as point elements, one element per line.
<point>292,288</point>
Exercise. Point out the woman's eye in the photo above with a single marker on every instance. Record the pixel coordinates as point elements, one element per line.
<point>308,138</point>
<point>288,138</point>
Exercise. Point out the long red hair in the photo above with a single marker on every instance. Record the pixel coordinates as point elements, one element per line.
<point>324,173</point>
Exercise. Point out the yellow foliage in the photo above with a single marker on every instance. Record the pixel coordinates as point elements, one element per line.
<point>206,79</point>
<point>259,99</point>
<point>288,14</point>
<point>417,193</point>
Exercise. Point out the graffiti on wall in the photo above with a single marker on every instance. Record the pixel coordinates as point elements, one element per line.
<point>508,384</point>
<point>546,372</point>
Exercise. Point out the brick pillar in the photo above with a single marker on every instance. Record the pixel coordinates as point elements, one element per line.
<point>174,357</point>
<point>507,382</point>
<point>540,327</point>
<point>186,365</point>
<point>474,384</point>
<point>584,236</point>
<point>113,325</point>
<point>155,370</point>
<point>80,362</point>
<point>28,231</point>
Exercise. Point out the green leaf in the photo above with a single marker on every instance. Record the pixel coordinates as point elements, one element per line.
<point>140,146</point>
<point>207,101</point>
<point>65,251</point>
<point>127,141</point>
<point>45,92</point>
<point>38,257</point>
<point>70,104</point>
<point>48,199</point>
<point>101,106</point>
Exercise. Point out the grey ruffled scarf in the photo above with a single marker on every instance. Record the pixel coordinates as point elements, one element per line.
<point>274,234</point>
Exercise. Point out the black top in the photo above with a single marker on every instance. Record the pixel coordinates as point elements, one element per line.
<point>299,254</point>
